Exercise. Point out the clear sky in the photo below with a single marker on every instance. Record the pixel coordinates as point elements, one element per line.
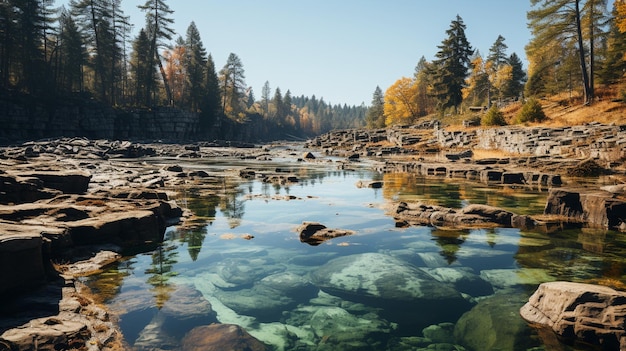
<point>338,49</point>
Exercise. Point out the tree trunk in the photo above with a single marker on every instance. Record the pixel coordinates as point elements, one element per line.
<point>587,98</point>
<point>168,91</point>
<point>591,51</point>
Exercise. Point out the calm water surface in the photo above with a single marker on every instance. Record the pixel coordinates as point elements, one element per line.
<point>294,296</point>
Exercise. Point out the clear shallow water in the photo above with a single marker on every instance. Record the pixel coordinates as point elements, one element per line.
<point>355,292</point>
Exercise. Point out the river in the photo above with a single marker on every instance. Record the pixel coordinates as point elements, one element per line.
<point>385,287</point>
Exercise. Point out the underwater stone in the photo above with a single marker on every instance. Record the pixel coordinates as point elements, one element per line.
<point>490,326</point>
<point>405,292</point>
<point>219,337</point>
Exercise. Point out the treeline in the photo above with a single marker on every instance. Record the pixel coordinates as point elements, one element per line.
<point>575,45</point>
<point>88,49</point>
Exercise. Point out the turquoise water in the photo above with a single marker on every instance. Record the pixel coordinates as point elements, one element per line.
<point>382,288</point>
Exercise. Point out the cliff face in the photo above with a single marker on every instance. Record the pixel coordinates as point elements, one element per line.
<point>25,118</point>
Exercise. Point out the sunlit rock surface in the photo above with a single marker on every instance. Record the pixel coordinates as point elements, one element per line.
<point>582,312</point>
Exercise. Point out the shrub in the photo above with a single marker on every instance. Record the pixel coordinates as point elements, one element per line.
<point>493,117</point>
<point>531,112</point>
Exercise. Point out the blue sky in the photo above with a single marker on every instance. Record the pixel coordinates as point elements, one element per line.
<point>339,49</point>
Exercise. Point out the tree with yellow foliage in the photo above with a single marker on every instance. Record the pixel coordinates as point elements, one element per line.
<point>400,102</point>
<point>620,18</point>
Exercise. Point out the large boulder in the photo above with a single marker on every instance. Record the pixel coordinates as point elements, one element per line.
<point>268,298</point>
<point>406,293</point>
<point>21,248</point>
<point>596,208</point>
<point>589,313</point>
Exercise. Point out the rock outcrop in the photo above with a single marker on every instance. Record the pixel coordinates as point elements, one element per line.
<point>596,208</point>
<point>586,313</point>
<point>471,216</point>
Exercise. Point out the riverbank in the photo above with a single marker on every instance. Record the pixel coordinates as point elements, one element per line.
<point>68,200</point>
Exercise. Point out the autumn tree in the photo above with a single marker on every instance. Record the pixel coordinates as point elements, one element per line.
<point>400,106</point>
<point>620,15</point>
<point>375,117</point>
<point>477,90</point>
<point>424,101</point>
<point>176,73</point>
<point>450,69</point>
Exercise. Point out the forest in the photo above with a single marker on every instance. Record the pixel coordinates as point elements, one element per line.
<point>577,49</point>
<point>88,50</point>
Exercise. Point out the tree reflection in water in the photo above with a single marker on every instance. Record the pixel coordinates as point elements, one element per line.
<point>161,270</point>
<point>450,242</point>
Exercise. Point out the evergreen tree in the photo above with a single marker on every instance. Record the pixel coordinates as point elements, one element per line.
<point>614,65</point>
<point>277,101</point>
<point>144,74</point>
<point>210,105</point>
<point>158,29</point>
<point>72,55</point>
<point>232,86</point>
<point>25,29</point>
<point>265,99</point>
<point>497,53</point>
<point>451,67</point>
<point>195,64</point>
<point>557,29</point>
<point>375,117</point>
<point>515,86</point>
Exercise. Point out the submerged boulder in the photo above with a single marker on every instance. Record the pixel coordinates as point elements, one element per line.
<point>589,313</point>
<point>493,324</point>
<point>406,293</point>
<point>219,337</point>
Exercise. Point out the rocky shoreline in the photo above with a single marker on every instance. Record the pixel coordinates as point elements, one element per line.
<point>69,206</point>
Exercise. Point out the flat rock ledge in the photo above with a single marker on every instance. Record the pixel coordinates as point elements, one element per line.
<point>578,312</point>
<point>471,216</point>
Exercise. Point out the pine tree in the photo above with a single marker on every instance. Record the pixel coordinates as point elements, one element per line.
<point>375,117</point>
<point>72,55</point>
<point>144,75</point>
<point>232,86</point>
<point>158,29</point>
<point>518,77</point>
<point>195,64</point>
<point>557,29</point>
<point>265,99</point>
<point>210,105</point>
<point>451,67</point>
<point>614,64</point>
